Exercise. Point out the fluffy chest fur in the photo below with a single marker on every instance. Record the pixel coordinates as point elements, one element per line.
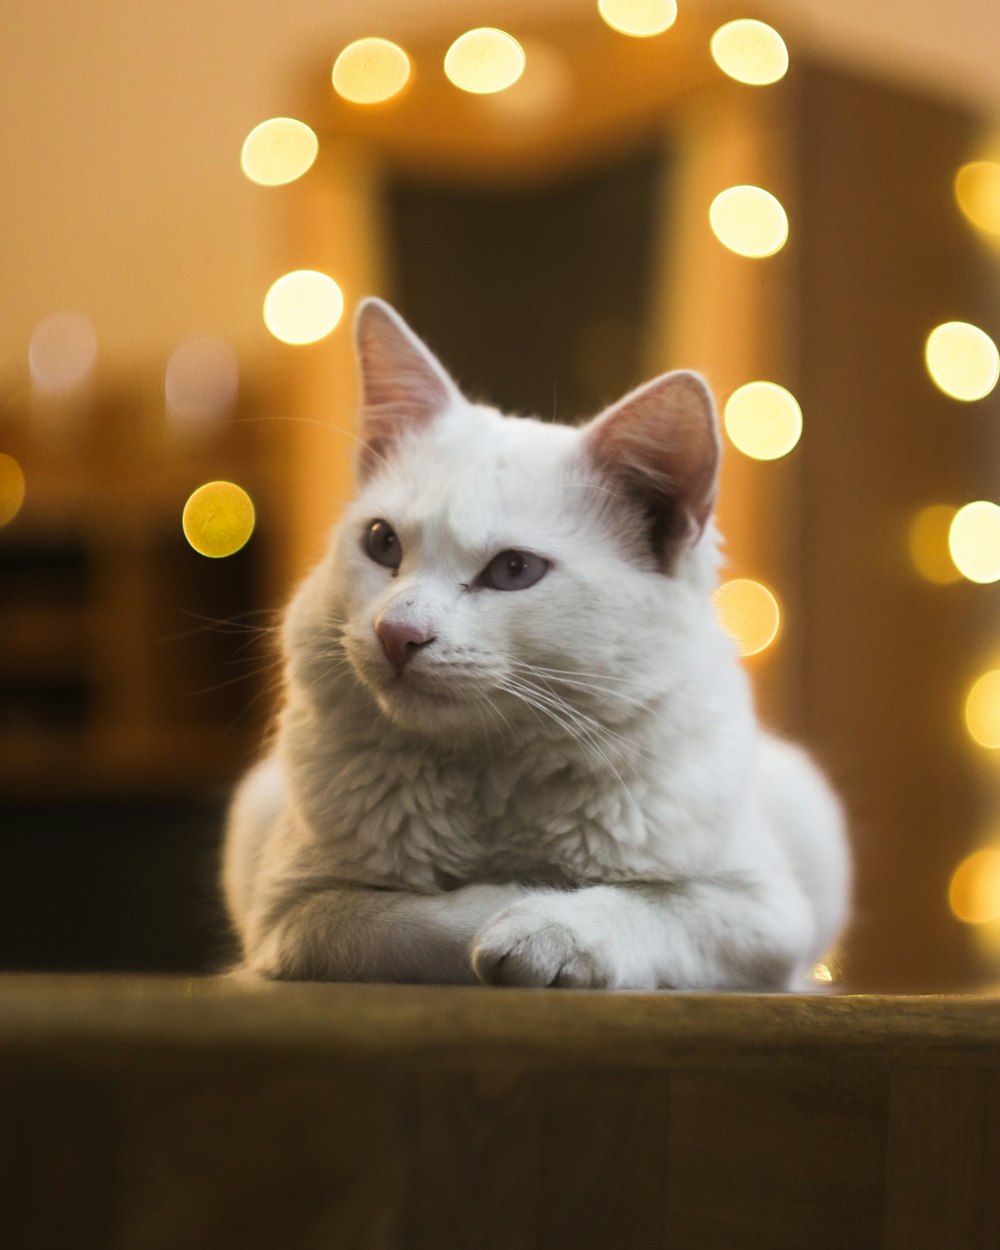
<point>640,802</point>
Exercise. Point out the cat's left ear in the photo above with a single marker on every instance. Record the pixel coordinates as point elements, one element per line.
<point>660,446</point>
<point>403,385</point>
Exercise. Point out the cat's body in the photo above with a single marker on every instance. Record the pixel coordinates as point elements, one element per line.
<point>516,745</point>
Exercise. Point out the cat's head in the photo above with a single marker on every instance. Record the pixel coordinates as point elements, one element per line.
<point>500,572</point>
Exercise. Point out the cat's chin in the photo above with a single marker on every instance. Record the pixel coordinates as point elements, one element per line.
<point>422,709</point>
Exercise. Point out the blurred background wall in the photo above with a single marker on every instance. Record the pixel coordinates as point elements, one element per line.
<point>552,242</point>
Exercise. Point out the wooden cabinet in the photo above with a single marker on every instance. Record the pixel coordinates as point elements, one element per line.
<point>129,662</point>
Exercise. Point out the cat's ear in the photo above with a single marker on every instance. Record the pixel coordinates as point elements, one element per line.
<point>403,386</point>
<point>660,447</point>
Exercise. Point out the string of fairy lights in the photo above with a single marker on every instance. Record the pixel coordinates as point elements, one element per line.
<point>762,419</point>
<point>948,542</point>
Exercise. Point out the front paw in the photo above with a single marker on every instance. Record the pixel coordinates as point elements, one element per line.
<point>527,945</point>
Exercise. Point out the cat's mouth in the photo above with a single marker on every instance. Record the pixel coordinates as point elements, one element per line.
<point>406,688</point>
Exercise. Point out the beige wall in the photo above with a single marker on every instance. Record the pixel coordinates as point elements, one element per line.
<point>119,160</point>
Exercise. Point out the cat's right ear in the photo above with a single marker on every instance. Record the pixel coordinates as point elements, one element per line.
<point>403,385</point>
<point>660,447</point>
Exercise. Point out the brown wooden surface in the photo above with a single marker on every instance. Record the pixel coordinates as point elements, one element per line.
<point>217,1112</point>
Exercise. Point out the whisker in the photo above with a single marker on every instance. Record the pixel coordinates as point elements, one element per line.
<point>226,625</point>
<point>264,670</point>
<point>563,715</point>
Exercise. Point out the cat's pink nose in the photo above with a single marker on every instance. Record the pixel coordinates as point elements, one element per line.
<point>401,640</point>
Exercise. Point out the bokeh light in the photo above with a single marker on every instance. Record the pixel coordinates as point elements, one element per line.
<point>201,382</point>
<point>62,352</point>
<point>982,710</point>
<point>750,51</point>
<point>544,89</point>
<point>974,890</point>
<point>218,519</point>
<point>639,18</point>
<point>303,306</point>
<point>763,420</point>
<point>749,612</point>
<point>974,541</point>
<point>962,360</point>
<point>484,60</point>
<point>928,542</point>
<point>371,71</point>
<point>977,189</point>
<point>11,488</point>
<point>278,151</point>
<point>749,221</point>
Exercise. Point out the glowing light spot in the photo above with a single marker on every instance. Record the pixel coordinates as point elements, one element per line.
<point>62,352</point>
<point>974,890</point>
<point>929,544</point>
<point>370,71</point>
<point>201,381</point>
<point>750,51</point>
<point>218,519</point>
<point>749,221</point>
<point>823,974</point>
<point>484,61</point>
<point>11,488</point>
<point>278,151</point>
<point>962,360</point>
<point>639,18</point>
<point>977,189</point>
<point>974,541</point>
<point>982,710</point>
<point>303,306</point>
<point>543,90</point>
<point>749,612</point>
<point>763,420</point>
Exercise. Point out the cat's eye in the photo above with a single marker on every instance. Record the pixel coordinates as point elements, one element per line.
<point>381,544</point>
<point>513,570</point>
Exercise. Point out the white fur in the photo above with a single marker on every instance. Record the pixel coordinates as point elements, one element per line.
<point>610,816</point>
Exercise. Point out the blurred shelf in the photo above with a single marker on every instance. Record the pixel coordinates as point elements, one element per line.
<point>112,678</point>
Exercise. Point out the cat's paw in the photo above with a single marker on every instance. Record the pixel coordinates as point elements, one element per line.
<point>525,945</point>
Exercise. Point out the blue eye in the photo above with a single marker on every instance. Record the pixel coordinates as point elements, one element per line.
<point>513,570</point>
<point>382,544</point>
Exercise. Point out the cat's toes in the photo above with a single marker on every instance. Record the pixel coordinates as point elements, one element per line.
<point>507,952</point>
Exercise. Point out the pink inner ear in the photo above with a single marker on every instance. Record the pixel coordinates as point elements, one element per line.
<point>403,387</point>
<point>662,442</point>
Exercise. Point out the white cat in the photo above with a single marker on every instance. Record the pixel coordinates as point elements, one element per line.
<point>516,745</point>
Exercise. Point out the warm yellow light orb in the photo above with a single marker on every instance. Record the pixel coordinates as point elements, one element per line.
<point>962,360</point>
<point>929,544</point>
<point>982,710</point>
<point>749,221</point>
<point>974,890</point>
<point>639,18</point>
<point>750,51</point>
<point>763,420</point>
<point>484,61</point>
<point>974,541</point>
<point>278,151</point>
<point>749,612</point>
<point>370,71</point>
<point>303,306</point>
<point>977,189</point>
<point>218,519</point>
<point>11,488</point>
